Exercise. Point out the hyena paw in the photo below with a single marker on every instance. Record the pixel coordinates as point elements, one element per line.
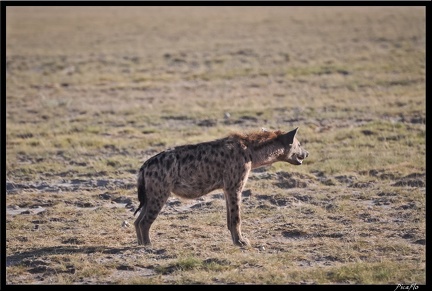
<point>243,242</point>
<point>141,243</point>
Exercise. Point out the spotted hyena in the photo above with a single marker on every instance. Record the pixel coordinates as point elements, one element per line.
<point>191,171</point>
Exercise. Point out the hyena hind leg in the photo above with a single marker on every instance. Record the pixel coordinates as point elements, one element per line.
<point>146,218</point>
<point>142,229</point>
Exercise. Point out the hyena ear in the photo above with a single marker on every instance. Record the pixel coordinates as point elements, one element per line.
<point>288,138</point>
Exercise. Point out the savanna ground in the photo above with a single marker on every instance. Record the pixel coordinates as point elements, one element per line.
<point>92,92</point>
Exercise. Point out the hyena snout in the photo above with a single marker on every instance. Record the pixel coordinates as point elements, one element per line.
<point>302,155</point>
<point>298,157</point>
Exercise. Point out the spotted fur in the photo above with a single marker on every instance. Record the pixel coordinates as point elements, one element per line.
<point>191,171</point>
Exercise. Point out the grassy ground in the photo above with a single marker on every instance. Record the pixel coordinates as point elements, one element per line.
<point>92,92</point>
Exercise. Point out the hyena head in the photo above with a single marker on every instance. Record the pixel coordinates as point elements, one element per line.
<point>294,153</point>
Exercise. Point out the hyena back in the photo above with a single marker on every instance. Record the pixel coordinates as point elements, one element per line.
<point>191,171</point>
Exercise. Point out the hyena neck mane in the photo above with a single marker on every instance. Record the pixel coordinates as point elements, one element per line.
<point>264,146</point>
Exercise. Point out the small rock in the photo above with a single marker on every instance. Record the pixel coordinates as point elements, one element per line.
<point>105,196</point>
<point>420,242</point>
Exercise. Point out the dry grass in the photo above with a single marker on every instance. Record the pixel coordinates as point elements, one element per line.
<point>93,92</point>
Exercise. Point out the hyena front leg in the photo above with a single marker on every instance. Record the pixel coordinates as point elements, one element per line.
<point>146,218</point>
<point>233,201</point>
<point>233,191</point>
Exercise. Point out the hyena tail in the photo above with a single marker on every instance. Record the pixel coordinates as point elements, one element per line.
<point>142,197</point>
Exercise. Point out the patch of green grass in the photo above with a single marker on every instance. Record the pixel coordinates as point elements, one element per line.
<point>377,273</point>
<point>184,264</point>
